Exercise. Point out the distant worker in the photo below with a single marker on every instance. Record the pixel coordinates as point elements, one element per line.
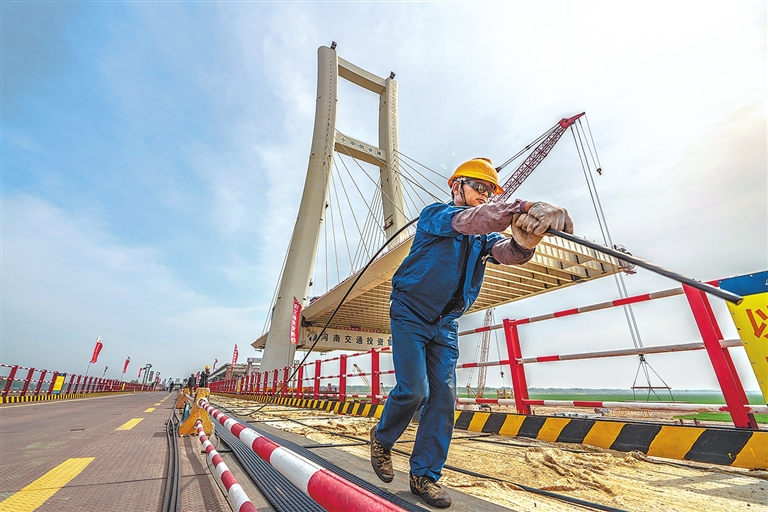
<point>204,377</point>
<point>191,381</point>
<point>438,282</point>
<point>170,387</point>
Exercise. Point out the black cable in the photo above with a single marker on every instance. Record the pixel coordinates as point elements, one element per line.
<point>325,327</point>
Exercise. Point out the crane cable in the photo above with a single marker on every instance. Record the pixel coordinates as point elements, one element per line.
<point>336,310</point>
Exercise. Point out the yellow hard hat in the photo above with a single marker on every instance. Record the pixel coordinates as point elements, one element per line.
<point>207,367</point>
<point>478,168</point>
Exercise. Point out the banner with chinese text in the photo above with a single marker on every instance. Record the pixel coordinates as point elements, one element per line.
<point>751,319</point>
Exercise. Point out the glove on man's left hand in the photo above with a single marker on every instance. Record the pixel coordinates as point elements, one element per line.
<point>523,238</point>
<point>543,216</point>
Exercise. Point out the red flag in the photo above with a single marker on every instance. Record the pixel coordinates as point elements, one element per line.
<point>140,370</point>
<point>96,350</point>
<point>125,366</point>
<point>295,322</point>
<point>197,377</point>
<point>214,364</point>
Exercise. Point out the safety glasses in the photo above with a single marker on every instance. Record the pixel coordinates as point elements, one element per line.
<point>480,187</point>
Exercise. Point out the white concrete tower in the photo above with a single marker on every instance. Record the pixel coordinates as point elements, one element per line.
<point>294,283</point>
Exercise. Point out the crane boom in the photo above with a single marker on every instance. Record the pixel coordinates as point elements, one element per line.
<point>484,348</point>
<point>534,159</point>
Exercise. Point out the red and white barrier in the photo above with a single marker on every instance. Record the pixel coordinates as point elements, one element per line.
<point>584,309</point>
<point>329,490</point>
<point>234,491</point>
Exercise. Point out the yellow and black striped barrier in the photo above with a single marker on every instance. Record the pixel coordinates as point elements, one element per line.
<point>41,398</point>
<point>715,445</point>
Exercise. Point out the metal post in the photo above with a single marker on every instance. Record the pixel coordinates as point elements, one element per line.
<point>27,381</point>
<point>40,382</point>
<point>53,383</point>
<point>300,379</point>
<point>729,381</point>
<point>274,382</point>
<point>375,377</point>
<point>77,384</point>
<point>285,381</point>
<point>71,381</point>
<point>343,377</point>
<point>9,381</point>
<point>516,369</point>
<point>317,380</point>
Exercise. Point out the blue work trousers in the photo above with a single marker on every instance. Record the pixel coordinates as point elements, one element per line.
<point>424,356</point>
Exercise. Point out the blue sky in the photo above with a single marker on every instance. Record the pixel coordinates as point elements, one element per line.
<point>153,155</point>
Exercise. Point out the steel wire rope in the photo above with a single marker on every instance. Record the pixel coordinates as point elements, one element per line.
<point>589,128</point>
<point>335,248</point>
<point>438,187</point>
<point>421,164</point>
<point>371,228</point>
<point>602,222</point>
<point>341,302</point>
<point>409,196</point>
<point>325,249</point>
<point>526,148</point>
<point>385,164</point>
<point>589,146</point>
<point>416,185</point>
<point>367,235</point>
<point>376,183</point>
<point>341,218</point>
<point>352,210</point>
<point>268,320</point>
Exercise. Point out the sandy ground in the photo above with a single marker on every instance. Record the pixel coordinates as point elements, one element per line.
<point>629,481</point>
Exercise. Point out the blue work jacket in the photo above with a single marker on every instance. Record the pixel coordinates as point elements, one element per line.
<point>430,274</point>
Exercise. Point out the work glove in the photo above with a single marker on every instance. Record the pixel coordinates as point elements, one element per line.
<point>543,216</point>
<point>523,238</point>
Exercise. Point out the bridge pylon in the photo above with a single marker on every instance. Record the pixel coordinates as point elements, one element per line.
<point>294,281</point>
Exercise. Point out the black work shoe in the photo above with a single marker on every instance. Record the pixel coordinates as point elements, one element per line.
<point>381,459</point>
<point>428,489</point>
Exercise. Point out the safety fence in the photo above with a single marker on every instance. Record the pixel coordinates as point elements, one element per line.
<point>20,383</point>
<point>329,490</point>
<point>235,492</point>
<point>310,380</point>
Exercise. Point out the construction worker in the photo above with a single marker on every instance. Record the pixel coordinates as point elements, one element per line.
<point>191,382</point>
<point>438,282</point>
<point>204,377</point>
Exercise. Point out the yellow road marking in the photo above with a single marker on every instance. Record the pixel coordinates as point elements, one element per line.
<point>159,403</point>
<point>150,409</point>
<point>128,425</point>
<point>35,494</point>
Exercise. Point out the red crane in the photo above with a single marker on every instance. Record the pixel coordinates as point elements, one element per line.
<point>534,159</point>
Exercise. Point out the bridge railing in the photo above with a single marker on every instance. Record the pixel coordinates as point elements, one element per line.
<point>328,378</point>
<point>23,381</point>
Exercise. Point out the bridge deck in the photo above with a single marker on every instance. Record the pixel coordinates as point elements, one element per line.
<point>103,453</point>
<point>110,453</point>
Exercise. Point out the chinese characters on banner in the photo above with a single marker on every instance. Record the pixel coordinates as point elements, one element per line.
<point>751,320</point>
<point>295,322</point>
